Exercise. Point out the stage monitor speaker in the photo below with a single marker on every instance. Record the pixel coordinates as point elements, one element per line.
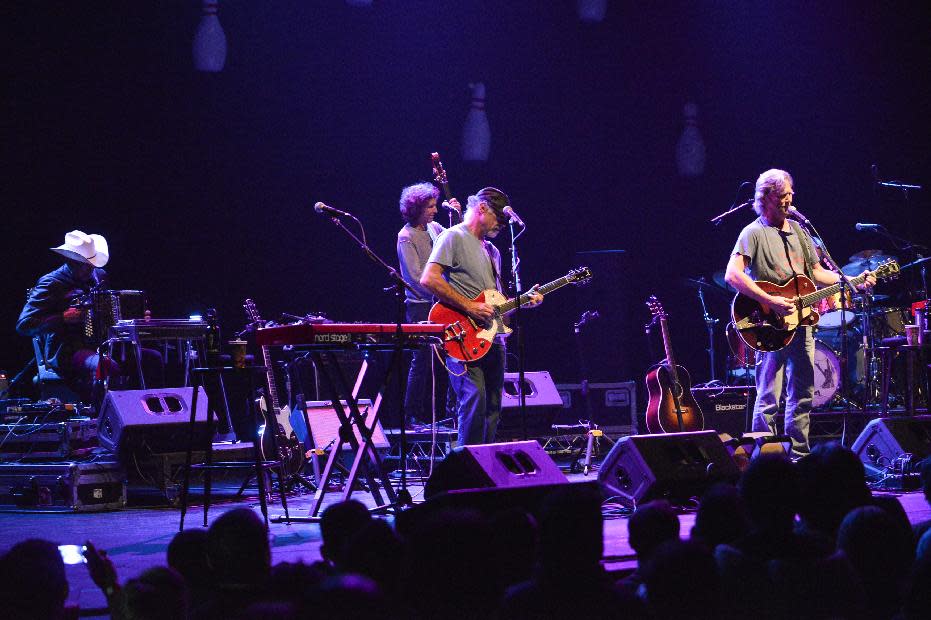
<point>725,408</point>
<point>542,400</point>
<point>151,421</point>
<point>884,440</point>
<point>494,465</point>
<point>539,390</point>
<point>676,466</point>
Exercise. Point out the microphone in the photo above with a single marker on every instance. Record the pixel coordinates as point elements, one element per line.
<point>511,213</point>
<point>796,214</point>
<point>328,210</point>
<point>860,226</point>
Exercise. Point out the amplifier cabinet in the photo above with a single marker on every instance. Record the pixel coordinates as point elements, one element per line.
<point>51,440</point>
<point>63,487</point>
<point>614,406</point>
<point>725,409</point>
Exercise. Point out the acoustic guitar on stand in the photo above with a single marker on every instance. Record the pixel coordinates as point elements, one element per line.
<point>762,329</point>
<point>468,341</point>
<point>672,408</point>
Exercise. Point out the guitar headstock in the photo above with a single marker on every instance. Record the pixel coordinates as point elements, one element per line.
<point>889,268</point>
<point>580,275</point>
<point>656,308</point>
<point>439,174</point>
<point>251,312</point>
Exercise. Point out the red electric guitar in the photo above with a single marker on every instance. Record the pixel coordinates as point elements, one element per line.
<point>672,408</point>
<point>468,341</point>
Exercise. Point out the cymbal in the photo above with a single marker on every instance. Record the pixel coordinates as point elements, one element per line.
<point>857,267</point>
<point>864,254</point>
<point>703,283</point>
<point>718,278</point>
<point>916,262</point>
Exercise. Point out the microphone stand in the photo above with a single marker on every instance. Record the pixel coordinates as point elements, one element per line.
<point>400,286</point>
<point>716,220</point>
<point>844,290</point>
<point>709,325</point>
<point>515,281</point>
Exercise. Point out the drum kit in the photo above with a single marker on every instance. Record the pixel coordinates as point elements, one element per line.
<point>857,326</point>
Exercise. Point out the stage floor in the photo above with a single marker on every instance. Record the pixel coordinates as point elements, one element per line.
<point>137,537</point>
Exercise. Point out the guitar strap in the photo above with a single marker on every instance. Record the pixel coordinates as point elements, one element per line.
<point>804,239</point>
<point>494,269</point>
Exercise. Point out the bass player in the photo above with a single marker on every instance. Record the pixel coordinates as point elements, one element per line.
<point>462,265</point>
<point>775,248</point>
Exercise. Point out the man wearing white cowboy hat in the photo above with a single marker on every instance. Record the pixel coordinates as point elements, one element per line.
<point>50,311</point>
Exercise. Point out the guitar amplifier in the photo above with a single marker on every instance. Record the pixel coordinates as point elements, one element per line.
<point>725,408</point>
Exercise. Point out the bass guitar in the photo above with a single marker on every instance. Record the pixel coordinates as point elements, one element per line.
<point>672,408</point>
<point>468,341</point>
<point>277,431</point>
<point>439,175</point>
<point>762,329</point>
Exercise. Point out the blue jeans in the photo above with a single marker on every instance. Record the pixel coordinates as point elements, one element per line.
<point>420,373</point>
<point>478,387</point>
<point>794,367</point>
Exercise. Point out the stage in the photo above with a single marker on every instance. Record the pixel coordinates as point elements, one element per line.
<point>137,536</point>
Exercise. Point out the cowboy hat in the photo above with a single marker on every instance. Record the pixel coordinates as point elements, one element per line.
<point>84,248</point>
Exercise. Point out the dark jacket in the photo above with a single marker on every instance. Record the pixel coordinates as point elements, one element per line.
<point>42,315</point>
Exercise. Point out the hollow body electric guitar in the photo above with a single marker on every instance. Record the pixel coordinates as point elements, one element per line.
<point>762,329</point>
<point>672,408</point>
<point>467,340</point>
<point>278,431</point>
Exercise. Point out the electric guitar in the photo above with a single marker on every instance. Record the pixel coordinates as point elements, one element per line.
<point>672,408</point>
<point>439,175</point>
<point>468,341</point>
<point>277,431</point>
<point>762,329</point>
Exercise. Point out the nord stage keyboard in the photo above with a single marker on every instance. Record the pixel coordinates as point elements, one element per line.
<point>344,333</point>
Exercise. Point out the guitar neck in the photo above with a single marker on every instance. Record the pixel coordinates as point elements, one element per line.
<point>512,304</point>
<point>667,345</point>
<point>270,375</point>
<point>824,293</point>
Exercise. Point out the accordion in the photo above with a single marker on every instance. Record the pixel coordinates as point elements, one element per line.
<point>103,308</point>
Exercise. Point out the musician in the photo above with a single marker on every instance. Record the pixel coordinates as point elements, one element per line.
<point>464,263</point>
<point>52,312</point>
<point>415,242</point>
<point>774,248</point>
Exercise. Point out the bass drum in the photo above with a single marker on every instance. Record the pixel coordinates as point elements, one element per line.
<point>830,341</point>
<point>827,375</point>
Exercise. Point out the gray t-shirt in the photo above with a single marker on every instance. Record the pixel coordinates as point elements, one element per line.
<point>414,246</point>
<point>775,256</point>
<point>466,262</point>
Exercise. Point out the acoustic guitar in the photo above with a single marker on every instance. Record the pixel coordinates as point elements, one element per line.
<point>672,408</point>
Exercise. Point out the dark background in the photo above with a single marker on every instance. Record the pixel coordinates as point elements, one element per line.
<point>204,183</point>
